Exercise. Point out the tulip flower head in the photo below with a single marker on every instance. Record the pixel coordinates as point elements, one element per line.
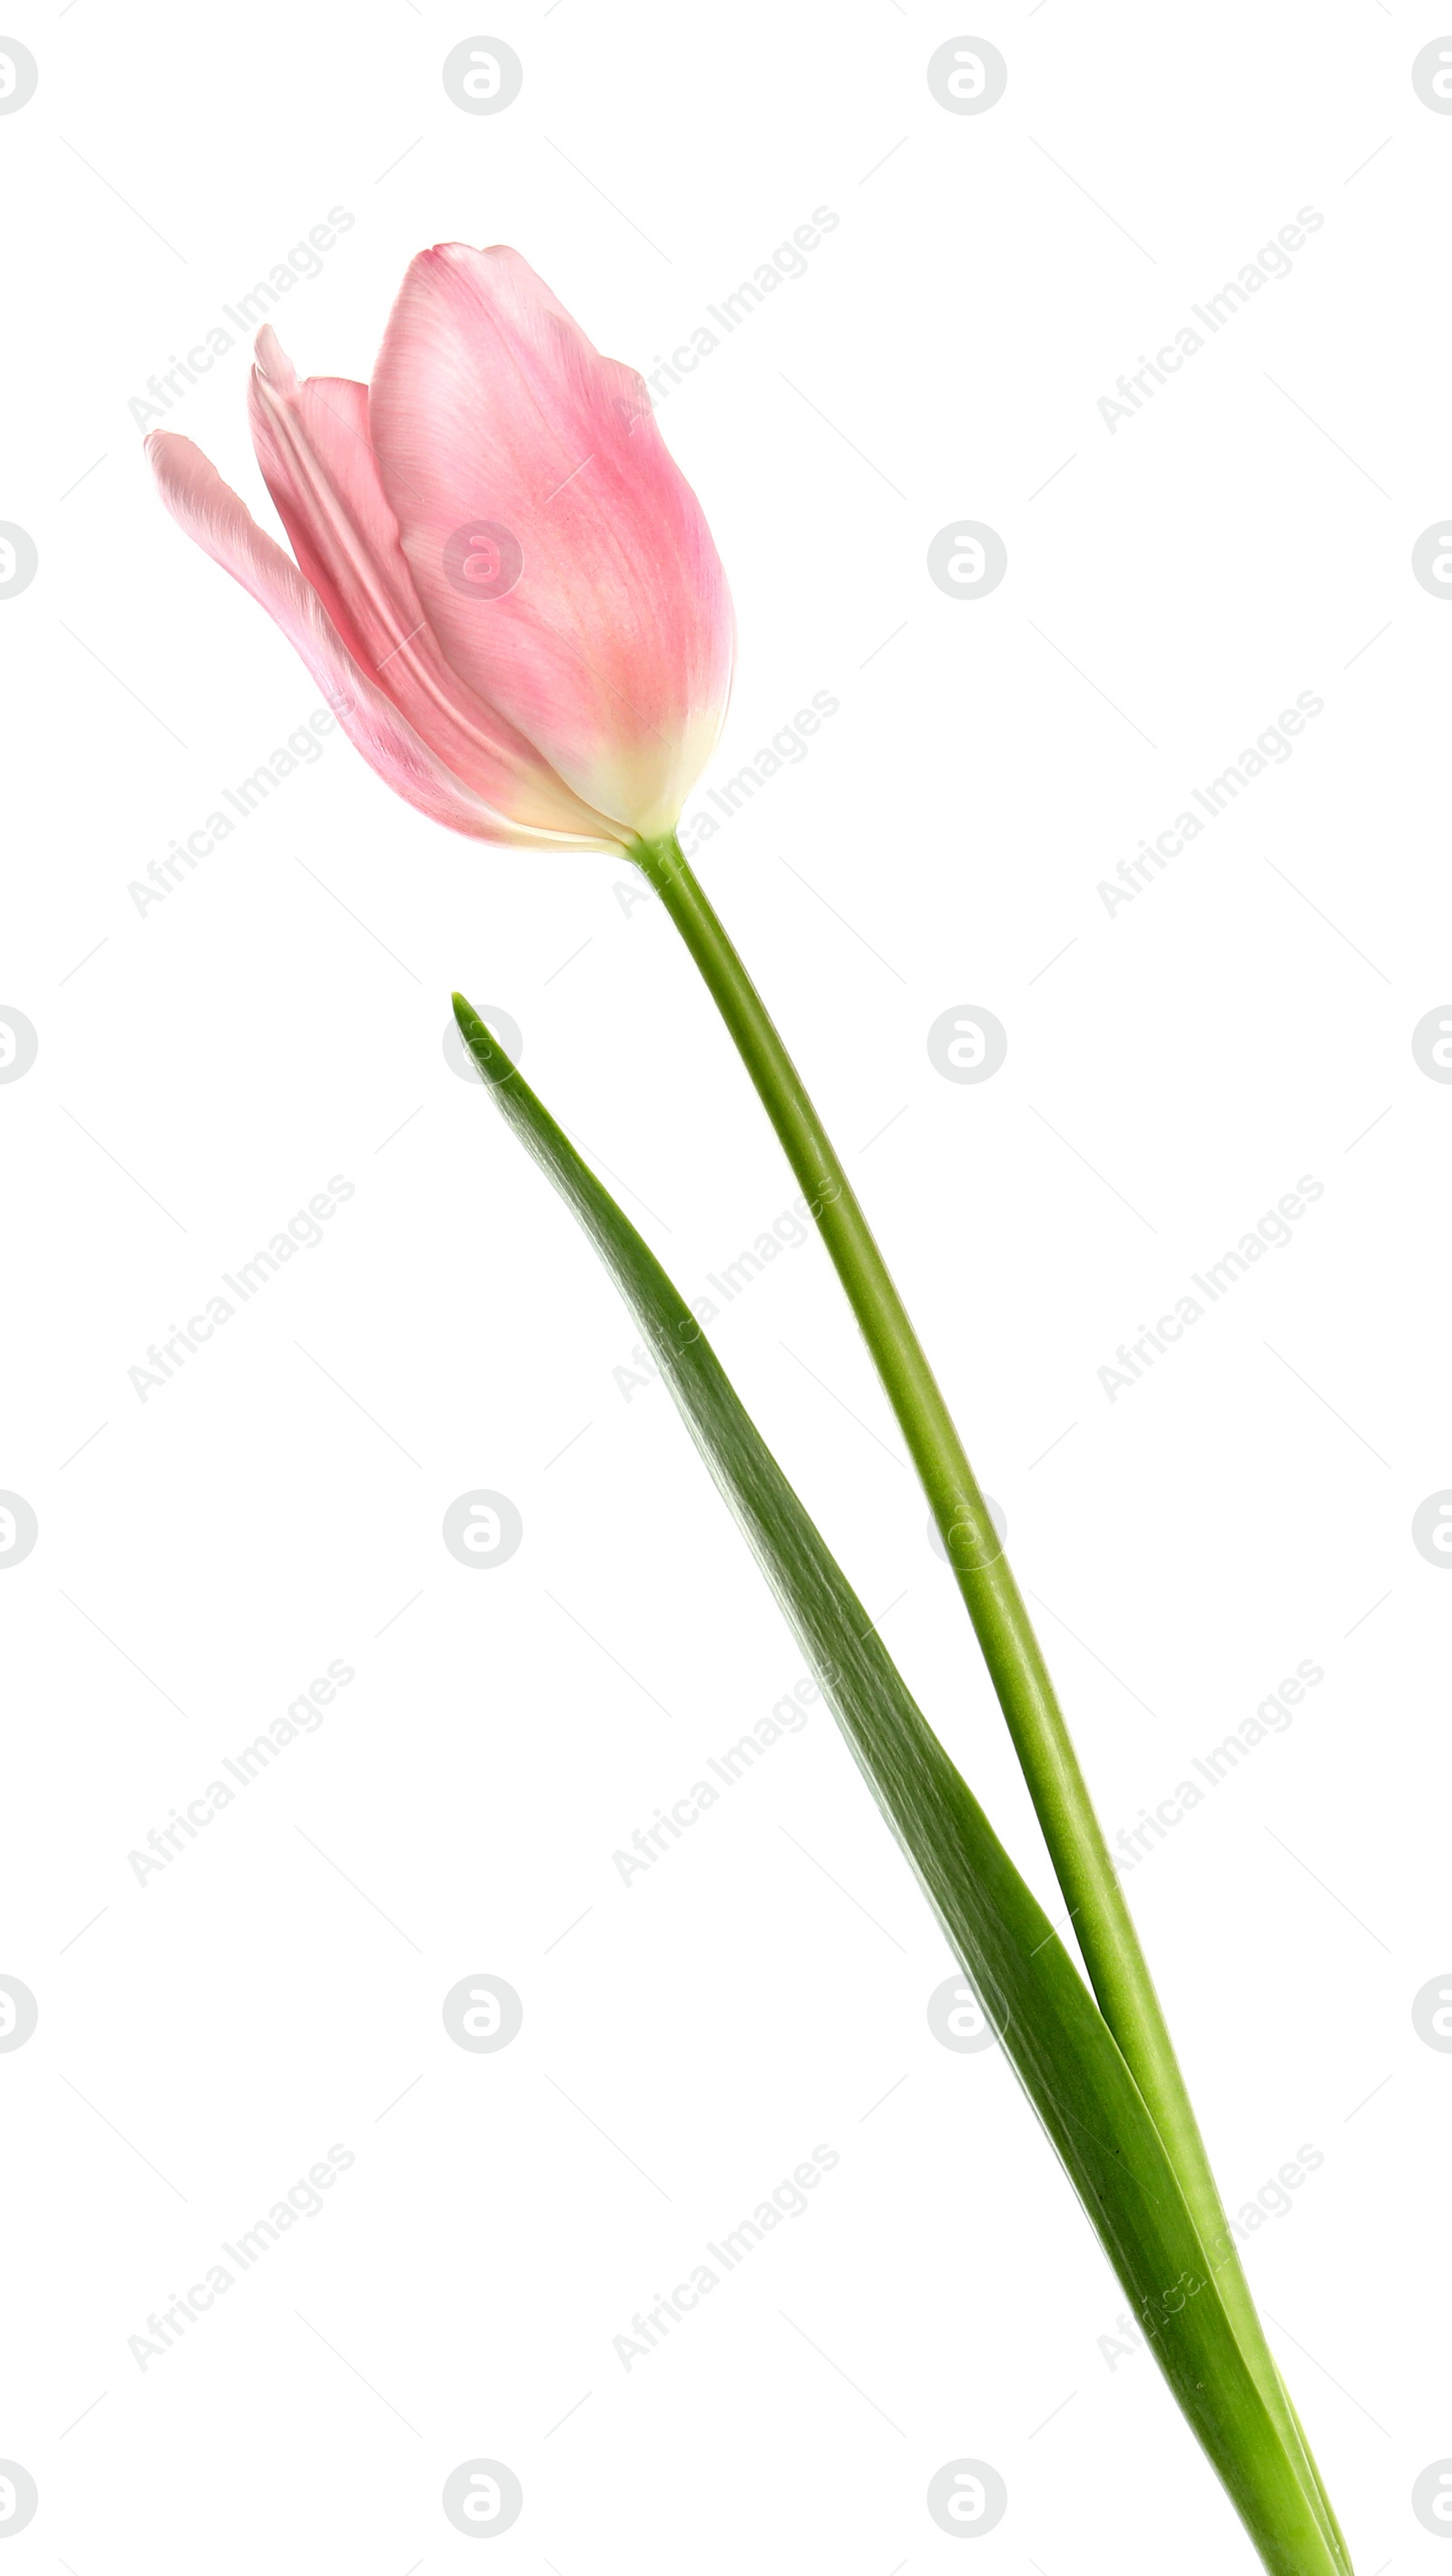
<point>504,584</point>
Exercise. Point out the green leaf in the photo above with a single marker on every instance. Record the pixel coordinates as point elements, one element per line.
<point>1049,2025</point>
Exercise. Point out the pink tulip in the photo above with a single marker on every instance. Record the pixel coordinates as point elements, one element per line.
<point>507,590</point>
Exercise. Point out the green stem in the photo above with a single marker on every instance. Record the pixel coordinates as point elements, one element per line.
<point>1091,1888</point>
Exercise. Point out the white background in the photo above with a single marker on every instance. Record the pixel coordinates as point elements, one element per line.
<point>1172,585</point>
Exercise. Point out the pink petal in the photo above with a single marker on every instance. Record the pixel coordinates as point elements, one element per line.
<point>612,652</point>
<point>312,445</point>
<point>211,513</point>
